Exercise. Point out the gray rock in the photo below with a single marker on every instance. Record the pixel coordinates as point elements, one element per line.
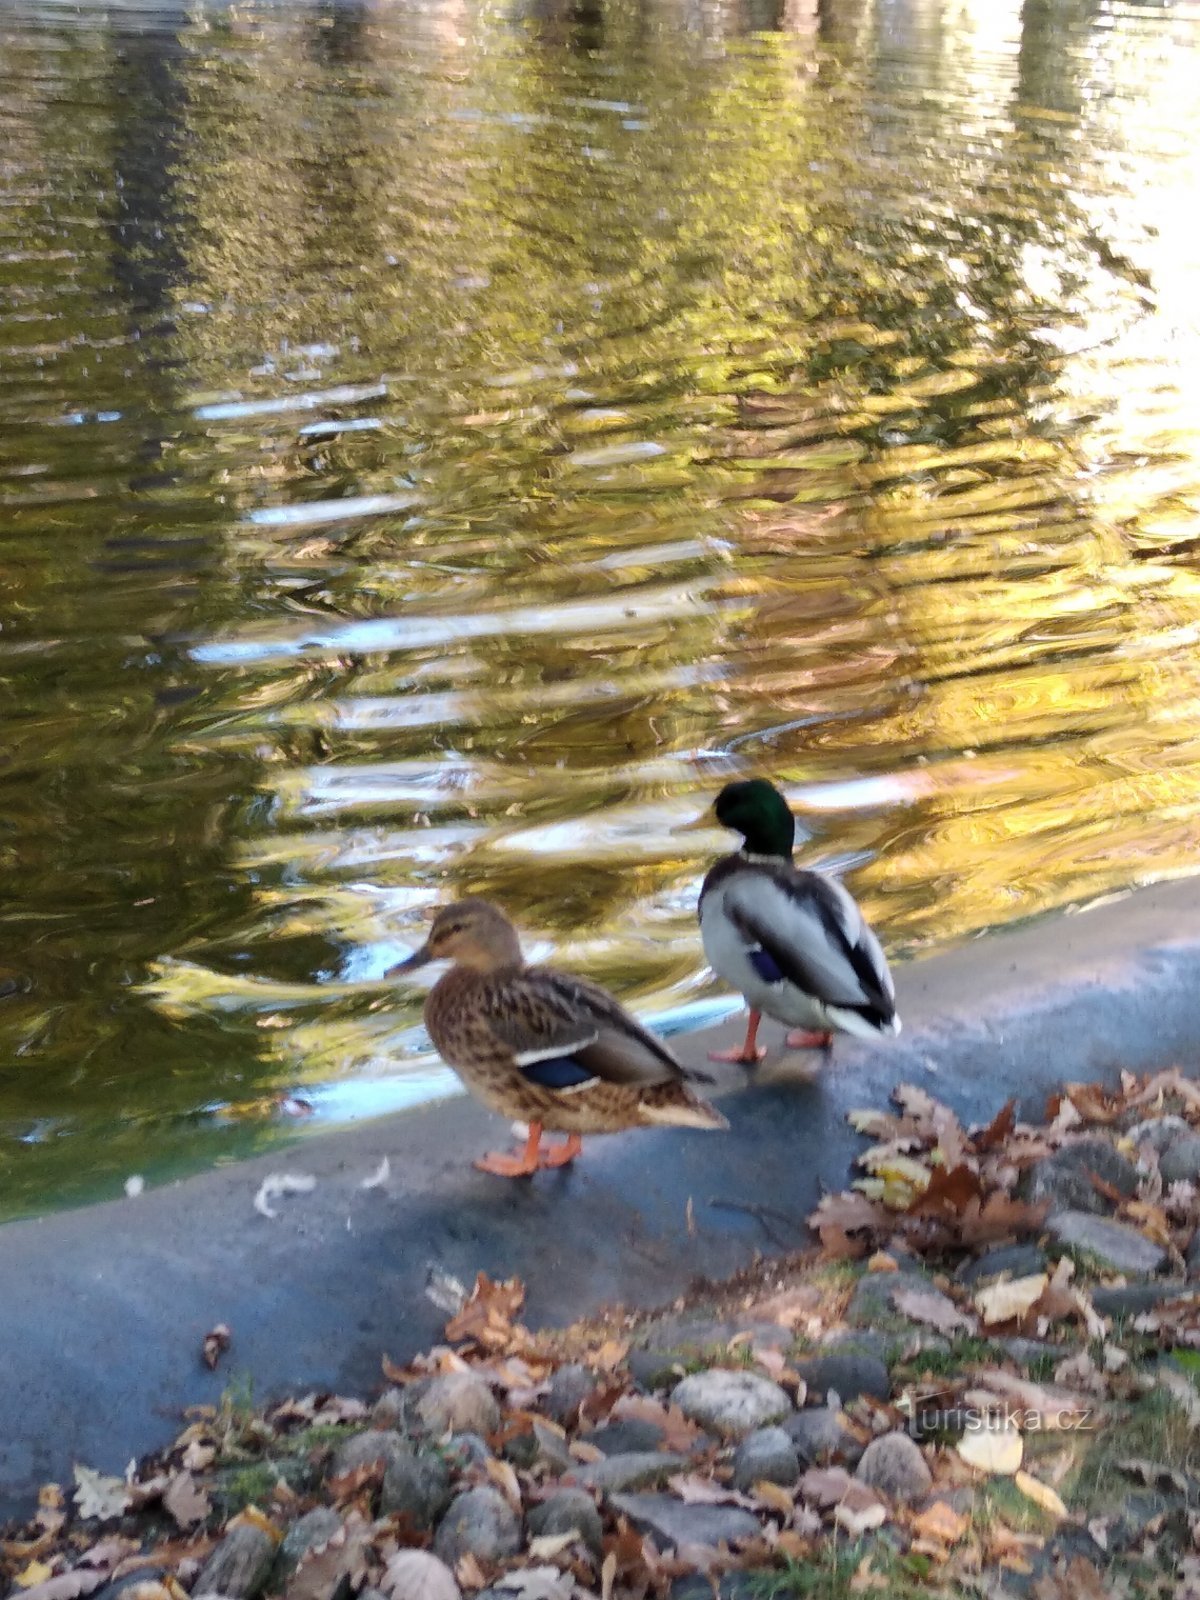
<point>567,1511</point>
<point>670,1522</point>
<point>1158,1132</point>
<point>1180,1161</point>
<point>618,1438</point>
<point>1192,1255</point>
<point>861,1341</point>
<point>732,1586</point>
<point>655,1369</point>
<point>240,1565</point>
<point>363,1449</point>
<point>732,1403</point>
<point>820,1438</point>
<point>569,1388</point>
<point>416,1572</point>
<point>636,1470</point>
<point>417,1486</point>
<point>120,1586</point>
<point>388,1411</point>
<point>457,1402</point>
<point>1025,1351</point>
<point>1133,1298</point>
<point>895,1466</point>
<point>465,1450</point>
<point>766,1454</point>
<point>311,1530</point>
<point>480,1522</point>
<point>871,1301</point>
<point>1017,1260</point>
<point>1063,1178</point>
<point>847,1375</point>
<point>1112,1243</point>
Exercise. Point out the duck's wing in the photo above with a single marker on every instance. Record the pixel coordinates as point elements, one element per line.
<point>811,933</point>
<point>566,1033</point>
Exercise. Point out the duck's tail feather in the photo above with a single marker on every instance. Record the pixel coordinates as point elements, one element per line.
<point>681,1111</point>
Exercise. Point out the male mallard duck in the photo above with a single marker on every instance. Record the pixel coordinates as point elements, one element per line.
<point>793,943</point>
<point>542,1047</point>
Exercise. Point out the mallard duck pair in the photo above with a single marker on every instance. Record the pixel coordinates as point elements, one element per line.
<point>559,1053</point>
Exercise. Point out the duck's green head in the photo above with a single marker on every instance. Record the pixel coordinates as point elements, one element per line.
<point>756,809</point>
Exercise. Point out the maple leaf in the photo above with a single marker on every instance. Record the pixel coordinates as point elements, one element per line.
<point>100,1498</point>
<point>487,1317</point>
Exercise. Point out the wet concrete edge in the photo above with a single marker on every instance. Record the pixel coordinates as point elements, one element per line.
<point>102,1310</point>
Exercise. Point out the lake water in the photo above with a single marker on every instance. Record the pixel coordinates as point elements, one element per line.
<point>440,443</point>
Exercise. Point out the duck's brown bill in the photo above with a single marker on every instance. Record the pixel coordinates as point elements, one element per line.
<point>419,958</point>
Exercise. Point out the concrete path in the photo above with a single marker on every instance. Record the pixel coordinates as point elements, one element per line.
<point>103,1310</point>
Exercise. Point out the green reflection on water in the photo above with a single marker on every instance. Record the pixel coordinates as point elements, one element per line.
<point>438,443</point>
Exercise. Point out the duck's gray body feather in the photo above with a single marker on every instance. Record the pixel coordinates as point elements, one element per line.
<point>795,944</point>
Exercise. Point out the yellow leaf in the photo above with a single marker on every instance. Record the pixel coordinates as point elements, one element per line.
<point>882,1262</point>
<point>1040,1493</point>
<point>35,1572</point>
<point>940,1522</point>
<point>775,1497</point>
<point>1004,1301</point>
<point>998,1450</point>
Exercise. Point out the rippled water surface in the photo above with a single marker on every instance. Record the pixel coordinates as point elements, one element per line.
<point>440,442</point>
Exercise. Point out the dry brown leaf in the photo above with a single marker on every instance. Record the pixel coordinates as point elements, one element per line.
<point>502,1475</point>
<point>215,1344</point>
<point>940,1522</point>
<point>679,1433</point>
<point>1002,1302</point>
<point>774,1497</point>
<point>998,1130</point>
<point>997,1450</point>
<point>1040,1493</point>
<point>487,1317</point>
<point>999,1218</point>
<point>187,1502</point>
<point>859,1520</point>
<point>417,1575</point>
<point>934,1309</point>
<point>697,1491</point>
<point>794,1546</point>
<point>882,1262</point>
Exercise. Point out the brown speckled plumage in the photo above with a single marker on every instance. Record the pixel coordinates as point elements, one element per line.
<point>496,1021</point>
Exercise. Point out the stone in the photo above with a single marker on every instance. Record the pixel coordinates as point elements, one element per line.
<point>1015,1260</point>
<point>671,1522</point>
<point>567,1511</point>
<point>363,1449</point>
<point>120,1586</point>
<point>465,1450</point>
<point>1112,1243</point>
<point>847,1374</point>
<point>821,1439</point>
<point>1158,1132</point>
<point>388,1411</point>
<point>732,1586</point>
<point>655,1369</point>
<point>569,1388</point>
<point>767,1454</point>
<point>416,1485</point>
<point>313,1529</point>
<point>1026,1351</point>
<point>629,1433</point>
<point>894,1465</point>
<point>416,1572</point>
<point>480,1523</point>
<point>457,1402</point>
<point>862,1341</point>
<point>1192,1255</point>
<point>871,1301</point>
<point>1063,1178</point>
<point>1180,1161</point>
<point>239,1567</point>
<point>732,1403</point>
<point>1131,1299</point>
<point>636,1470</point>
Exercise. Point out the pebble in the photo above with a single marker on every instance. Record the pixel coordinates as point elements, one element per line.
<point>417,1486</point>
<point>672,1522</point>
<point>314,1528</point>
<point>1131,1299</point>
<point>1063,1177</point>
<point>655,1369</point>
<point>568,1511</point>
<point>363,1449</point>
<point>458,1402</point>
<point>895,1466</point>
<point>848,1374</point>
<point>1158,1132</point>
<point>240,1565</point>
<point>1113,1243</point>
<point>635,1470</point>
<point>871,1301</point>
<point>631,1433</point>
<point>465,1450</point>
<point>480,1523</point>
<point>1017,1260</point>
<point>388,1411</point>
<point>1192,1255</point>
<point>569,1388</point>
<point>821,1438</point>
<point>766,1454</point>
<point>1180,1161</point>
<point>731,1402</point>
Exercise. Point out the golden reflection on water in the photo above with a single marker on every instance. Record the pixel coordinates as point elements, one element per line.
<point>572,418</point>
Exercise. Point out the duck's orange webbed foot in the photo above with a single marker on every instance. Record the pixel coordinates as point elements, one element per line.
<point>532,1159</point>
<point>806,1039</point>
<point>747,1053</point>
<point>562,1154</point>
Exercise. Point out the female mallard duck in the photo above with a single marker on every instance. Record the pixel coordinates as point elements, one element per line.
<point>541,1047</point>
<point>793,943</point>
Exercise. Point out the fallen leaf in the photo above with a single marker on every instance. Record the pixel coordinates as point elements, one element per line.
<point>67,1585</point>
<point>339,1562</point>
<point>550,1545</point>
<point>99,1498</point>
<point>998,1130</point>
<point>1001,1302</point>
<point>697,1491</point>
<point>856,1522</point>
<point>933,1309</point>
<point>197,1457</point>
<point>35,1573</point>
<point>940,1522</point>
<point>679,1432</point>
<point>187,1502</point>
<point>502,1475</point>
<point>534,1583</point>
<point>281,1183</point>
<point>216,1341</point>
<point>997,1450</point>
<point>417,1575</point>
<point>774,1496</point>
<point>882,1262</point>
<point>379,1177</point>
<point>487,1317</point>
<point>1040,1493</point>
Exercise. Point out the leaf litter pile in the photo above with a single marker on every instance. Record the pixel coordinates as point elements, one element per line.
<point>979,1382</point>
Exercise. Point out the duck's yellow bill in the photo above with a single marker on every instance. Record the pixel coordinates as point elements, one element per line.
<point>706,819</point>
